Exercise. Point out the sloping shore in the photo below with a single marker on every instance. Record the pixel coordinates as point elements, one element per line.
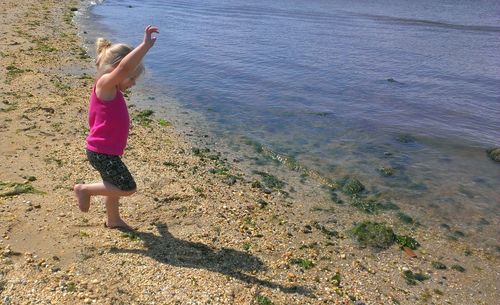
<point>207,233</point>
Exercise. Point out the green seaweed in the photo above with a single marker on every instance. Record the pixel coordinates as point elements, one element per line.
<point>12,189</point>
<point>270,181</point>
<point>386,171</point>
<point>13,71</point>
<point>219,171</point>
<point>130,235</point>
<point>458,268</point>
<point>71,287</point>
<point>263,300</point>
<point>352,186</point>
<point>328,232</point>
<point>143,117</point>
<point>336,279</point>
<point>494,154</point>
<point>374,234</point>
<point>388,206</point>
<point>438,265</point>
<point>304,263</point>
<point>170,164</point>
<point>405,218</point>
<point>262,203</point>
<point>368,205</point>
<point>413,278</point>
<point>164,122</point>
<point>334,196</point>
<point>407,241</point>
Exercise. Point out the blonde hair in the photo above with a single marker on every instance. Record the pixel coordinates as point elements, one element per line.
<point>110,55</point>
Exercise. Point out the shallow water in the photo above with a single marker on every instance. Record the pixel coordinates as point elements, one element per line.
<point>343,87</point>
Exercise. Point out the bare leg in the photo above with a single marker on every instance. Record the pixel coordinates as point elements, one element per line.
<point>83,193</point>
<point>112,210</point>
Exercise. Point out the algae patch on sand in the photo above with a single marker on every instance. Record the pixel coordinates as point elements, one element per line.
<point>374,234</point>
<point>8,189</point>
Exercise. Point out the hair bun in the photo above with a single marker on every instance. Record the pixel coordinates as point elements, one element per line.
<point>102,44</point>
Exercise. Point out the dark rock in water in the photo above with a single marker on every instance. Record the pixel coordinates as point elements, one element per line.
<point>494,154</point>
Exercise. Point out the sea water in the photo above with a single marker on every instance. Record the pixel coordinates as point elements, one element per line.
<point>344,87</point>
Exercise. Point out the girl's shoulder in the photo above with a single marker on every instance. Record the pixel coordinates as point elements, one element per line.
<point>105,94</point>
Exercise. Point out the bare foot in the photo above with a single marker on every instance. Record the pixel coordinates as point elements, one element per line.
<point>83,198</point>
<point>119,225</point>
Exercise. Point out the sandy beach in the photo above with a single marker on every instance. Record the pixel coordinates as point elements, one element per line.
<point>208,233</point>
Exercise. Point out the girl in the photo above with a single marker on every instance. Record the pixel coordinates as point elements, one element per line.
<point>118,66</point>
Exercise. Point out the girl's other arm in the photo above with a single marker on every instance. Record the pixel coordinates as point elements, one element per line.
<point>108,82</point>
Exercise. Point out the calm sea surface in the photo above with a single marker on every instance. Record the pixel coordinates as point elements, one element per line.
<point>343,86</point>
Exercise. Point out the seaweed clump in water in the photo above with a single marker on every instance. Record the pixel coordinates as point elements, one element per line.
<point>374,234</point>
<point>368,205</point>
<point>494,154</point>
<point>351,186</point>
<point>270,181</point>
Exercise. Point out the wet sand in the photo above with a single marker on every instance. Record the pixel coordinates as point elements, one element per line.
<point>207,233</point>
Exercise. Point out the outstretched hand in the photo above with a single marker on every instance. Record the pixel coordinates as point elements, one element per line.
<point>149,40</point>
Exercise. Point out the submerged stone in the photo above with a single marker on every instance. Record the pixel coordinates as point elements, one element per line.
<point>374,234</point>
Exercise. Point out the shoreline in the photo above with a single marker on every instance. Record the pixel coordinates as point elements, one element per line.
<point>203,237</point>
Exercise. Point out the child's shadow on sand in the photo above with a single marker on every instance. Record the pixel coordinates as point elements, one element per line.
<point>176,252</point>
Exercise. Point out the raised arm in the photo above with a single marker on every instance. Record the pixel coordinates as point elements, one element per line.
<point>106,85</point>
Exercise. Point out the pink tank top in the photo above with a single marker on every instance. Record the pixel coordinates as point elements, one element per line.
<point>109,122</point>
